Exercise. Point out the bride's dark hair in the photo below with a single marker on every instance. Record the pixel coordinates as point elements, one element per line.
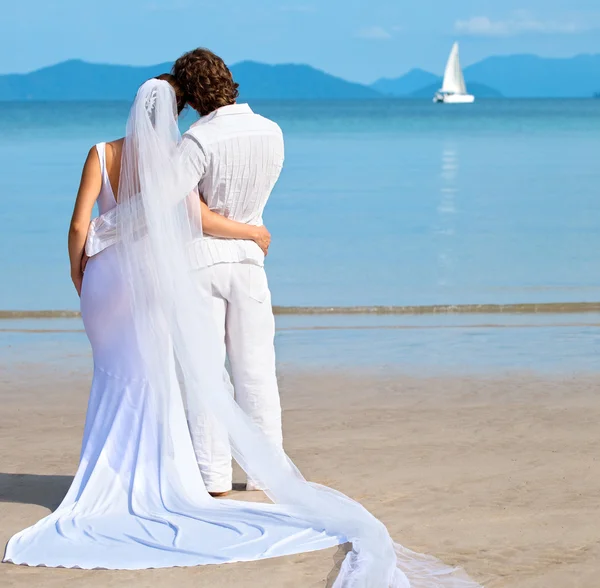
<point>179,95</point>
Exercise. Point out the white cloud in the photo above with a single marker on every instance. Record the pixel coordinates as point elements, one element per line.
<point>519,23</point>
<point>375,33</point>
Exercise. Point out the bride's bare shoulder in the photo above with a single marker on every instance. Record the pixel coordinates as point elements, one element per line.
<point>113,151</point>
<point>116,145</point>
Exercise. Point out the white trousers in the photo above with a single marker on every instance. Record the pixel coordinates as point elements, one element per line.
<point>244,316</point>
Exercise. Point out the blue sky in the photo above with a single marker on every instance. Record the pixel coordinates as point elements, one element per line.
<point>360,40</point>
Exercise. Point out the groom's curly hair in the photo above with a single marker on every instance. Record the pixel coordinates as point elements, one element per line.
<point>205,80</point>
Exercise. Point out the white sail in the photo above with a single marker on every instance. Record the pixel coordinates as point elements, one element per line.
<point>454,81</point>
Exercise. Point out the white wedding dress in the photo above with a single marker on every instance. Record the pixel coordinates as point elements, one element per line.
<point>138,499</point>
<point>127,508</point>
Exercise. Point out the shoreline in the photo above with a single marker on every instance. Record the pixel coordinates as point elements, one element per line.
<point>517,308</point>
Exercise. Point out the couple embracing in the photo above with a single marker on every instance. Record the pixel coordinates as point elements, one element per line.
<point>173,287</point>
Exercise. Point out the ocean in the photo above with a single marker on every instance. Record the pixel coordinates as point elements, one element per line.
<point>389,202</point>
<point>380,203</point>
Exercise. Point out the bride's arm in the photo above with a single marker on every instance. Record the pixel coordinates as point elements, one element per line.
<point>89,188</point>
<point>190,163</point>
<point>218,226</point>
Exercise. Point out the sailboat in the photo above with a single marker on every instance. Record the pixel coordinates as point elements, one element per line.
<point>453,90</point>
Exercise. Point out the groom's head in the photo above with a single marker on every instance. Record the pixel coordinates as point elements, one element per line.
<point>205,80</point>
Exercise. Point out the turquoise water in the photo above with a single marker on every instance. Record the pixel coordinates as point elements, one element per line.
<point>386,202</point>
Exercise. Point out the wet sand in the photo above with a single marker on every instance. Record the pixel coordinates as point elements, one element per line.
<point>499,474</point>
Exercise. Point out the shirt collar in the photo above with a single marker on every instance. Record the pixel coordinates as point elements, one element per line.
<point>233,109</point>
<point>224,111</point>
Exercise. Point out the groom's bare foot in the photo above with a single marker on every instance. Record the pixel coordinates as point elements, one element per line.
<point>219,494</point>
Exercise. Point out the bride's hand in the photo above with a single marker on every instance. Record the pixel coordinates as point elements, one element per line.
<point>262,238</point>
<point>77,277</point>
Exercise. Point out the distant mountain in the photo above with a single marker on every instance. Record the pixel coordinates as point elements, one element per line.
<point>405,85</point>
<point>530,76</point>
<point>478,90</point>
<point>259,81</point>
<point>79,80</point>
<point>510,76</point>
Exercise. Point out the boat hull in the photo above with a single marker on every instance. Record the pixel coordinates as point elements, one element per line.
<point>454,98</point>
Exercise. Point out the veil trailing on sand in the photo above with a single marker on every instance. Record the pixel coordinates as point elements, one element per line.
<point>160,250</point>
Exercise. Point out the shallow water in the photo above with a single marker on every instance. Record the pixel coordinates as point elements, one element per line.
<point>418,345</point>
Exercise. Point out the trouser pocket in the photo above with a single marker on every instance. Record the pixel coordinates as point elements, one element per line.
<point>258,286</point>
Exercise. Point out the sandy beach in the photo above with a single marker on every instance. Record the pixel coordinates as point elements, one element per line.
<point>497,474</point>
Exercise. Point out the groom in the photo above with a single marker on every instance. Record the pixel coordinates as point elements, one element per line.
<point>235,157</point>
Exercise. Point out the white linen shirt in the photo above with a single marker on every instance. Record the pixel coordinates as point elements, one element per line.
<point>234,157</point>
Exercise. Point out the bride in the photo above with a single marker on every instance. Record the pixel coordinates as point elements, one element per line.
<point>138,499</point>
